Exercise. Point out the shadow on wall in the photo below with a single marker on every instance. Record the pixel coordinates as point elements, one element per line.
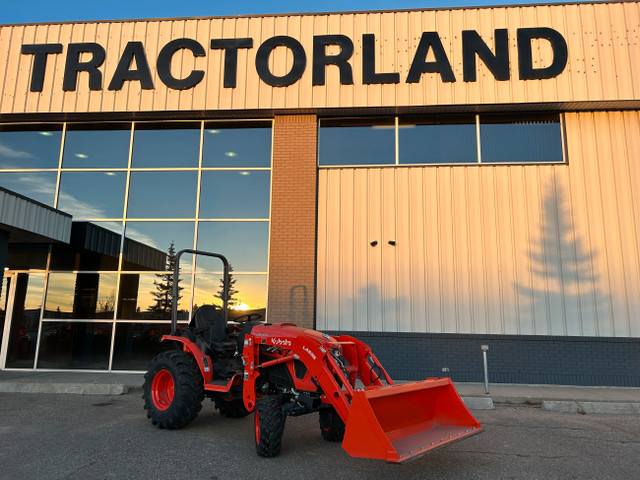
<point>299,312</point>
<point>561,296</point>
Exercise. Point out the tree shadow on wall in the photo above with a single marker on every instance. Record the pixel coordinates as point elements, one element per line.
<point>562,295</point>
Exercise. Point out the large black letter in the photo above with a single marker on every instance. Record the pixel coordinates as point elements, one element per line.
<point>39,52</point>
<point>525,58</point>
<point>262,61</point>
<point>497,64</point>
<point>321,59</point>
<point>164,64</point>
<point>231,46</point>
<point>420,65</point>
<point>123,72</point>
<point>369,75</point>
<point>74,66</point>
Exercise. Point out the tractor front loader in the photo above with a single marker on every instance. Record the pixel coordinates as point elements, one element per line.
<point>282,370</point>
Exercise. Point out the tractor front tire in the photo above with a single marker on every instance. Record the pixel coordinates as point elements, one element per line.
<point>233,408</point>
<point>331,425</point>
<point>269,426</point>
<point>173,390</point>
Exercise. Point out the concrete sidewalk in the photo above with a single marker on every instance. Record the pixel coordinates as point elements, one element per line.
<point>558,398</point>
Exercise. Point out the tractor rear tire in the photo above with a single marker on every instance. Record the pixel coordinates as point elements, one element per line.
<point>173,390</point>
<point>231,408</point>
<point>331,425</point>
<point>269,426</point>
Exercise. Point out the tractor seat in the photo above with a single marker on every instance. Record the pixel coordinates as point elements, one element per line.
<point>210,321</point>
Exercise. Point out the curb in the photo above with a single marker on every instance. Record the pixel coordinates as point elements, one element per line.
<point>585,408</point>
<point>478,403</point>
<point>77,388</point>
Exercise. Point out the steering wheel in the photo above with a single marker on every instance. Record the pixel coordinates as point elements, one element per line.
<point>248,317</point>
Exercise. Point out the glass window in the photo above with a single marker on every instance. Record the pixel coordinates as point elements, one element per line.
<point>357,142</point>
<point>432,139</point>
<point>244,244</point>
<point>80,295</point>
<point>248,293</point>
<point>237,145</point>
<point>166,145</point>
<point>23,336</point>
<point>147,296</point>
<point>30,146</point>
<point>93,246</point>
<point>97,146</point>
<point>27,256</point>
<point>235,194</point>
<point>522,138</point>
<point>148,245</point>
<point>92,194</point>
<point>162,195</point>
<point>137,343</point>
<point>38,186</point>
<point>81,345</point>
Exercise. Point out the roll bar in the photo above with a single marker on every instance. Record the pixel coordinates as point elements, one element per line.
<point>174,290</point>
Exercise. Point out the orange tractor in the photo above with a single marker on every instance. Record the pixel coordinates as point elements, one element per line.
<point>283,370</point>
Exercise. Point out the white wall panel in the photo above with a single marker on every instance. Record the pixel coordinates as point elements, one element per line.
<point>528,249</point>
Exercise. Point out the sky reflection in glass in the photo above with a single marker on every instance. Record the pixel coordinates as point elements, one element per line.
<point>97,148</point>
<point>232,194</point>
<point>92,194</point>
<point>30,149</point>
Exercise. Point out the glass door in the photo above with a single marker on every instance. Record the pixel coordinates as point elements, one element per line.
<point>20,307</point>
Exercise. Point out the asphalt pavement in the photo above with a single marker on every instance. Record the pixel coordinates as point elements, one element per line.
<point>67,436</point>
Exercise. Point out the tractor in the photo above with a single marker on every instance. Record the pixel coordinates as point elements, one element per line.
<point>282,370</point>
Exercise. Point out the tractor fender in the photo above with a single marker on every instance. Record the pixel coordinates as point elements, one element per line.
<point>203,361</point>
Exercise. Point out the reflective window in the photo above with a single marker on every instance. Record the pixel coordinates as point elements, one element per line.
<point>38,186</point>
<point>166,145</point>
<point>80,295</point>
<point>93,246</point>
<point>162,195</point>
<point>70,345</point>
<point>23,336</point>
<point>97,146</point>
<point>30,146</point>
<point>147,296</point>
<point>137,343</point>
<point>27,256</point>
<point>92,194</point>
<point>525,138</point>
<point>244,244</point>
<point>148,245</point>
<point>235,194</point>
<point>429,139</point>
<point>248,293</point>
<point>357,142</point>
<point>240,145</point>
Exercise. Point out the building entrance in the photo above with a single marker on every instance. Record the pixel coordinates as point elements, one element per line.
<point>20,307</point>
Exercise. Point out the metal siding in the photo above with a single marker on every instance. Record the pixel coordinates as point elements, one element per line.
<point>602,40</point>
<point>522,249</point>
<point>20,213</point>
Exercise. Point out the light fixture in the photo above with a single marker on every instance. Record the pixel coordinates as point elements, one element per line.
<point>213,131</point>
<point>82,155</point>
<point>45,134</point>
<point>231,154</point>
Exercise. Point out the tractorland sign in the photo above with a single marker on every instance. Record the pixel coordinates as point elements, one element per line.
<point>133,64</point>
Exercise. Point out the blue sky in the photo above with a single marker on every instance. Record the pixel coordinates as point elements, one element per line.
<point>30,11</point>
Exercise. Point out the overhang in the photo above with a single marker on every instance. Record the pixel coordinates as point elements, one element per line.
<point>28,221</point>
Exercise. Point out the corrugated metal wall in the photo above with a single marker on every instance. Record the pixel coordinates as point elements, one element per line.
<point>542,250</point>
<point>603,42</point>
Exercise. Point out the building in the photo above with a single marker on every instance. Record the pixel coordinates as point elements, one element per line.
<point>429,181</point>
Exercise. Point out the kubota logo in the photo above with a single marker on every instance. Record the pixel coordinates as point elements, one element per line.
<point>281,342</point>
<point>309,352</point>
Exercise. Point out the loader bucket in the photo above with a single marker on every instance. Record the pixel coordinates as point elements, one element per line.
<point>399,422</point>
